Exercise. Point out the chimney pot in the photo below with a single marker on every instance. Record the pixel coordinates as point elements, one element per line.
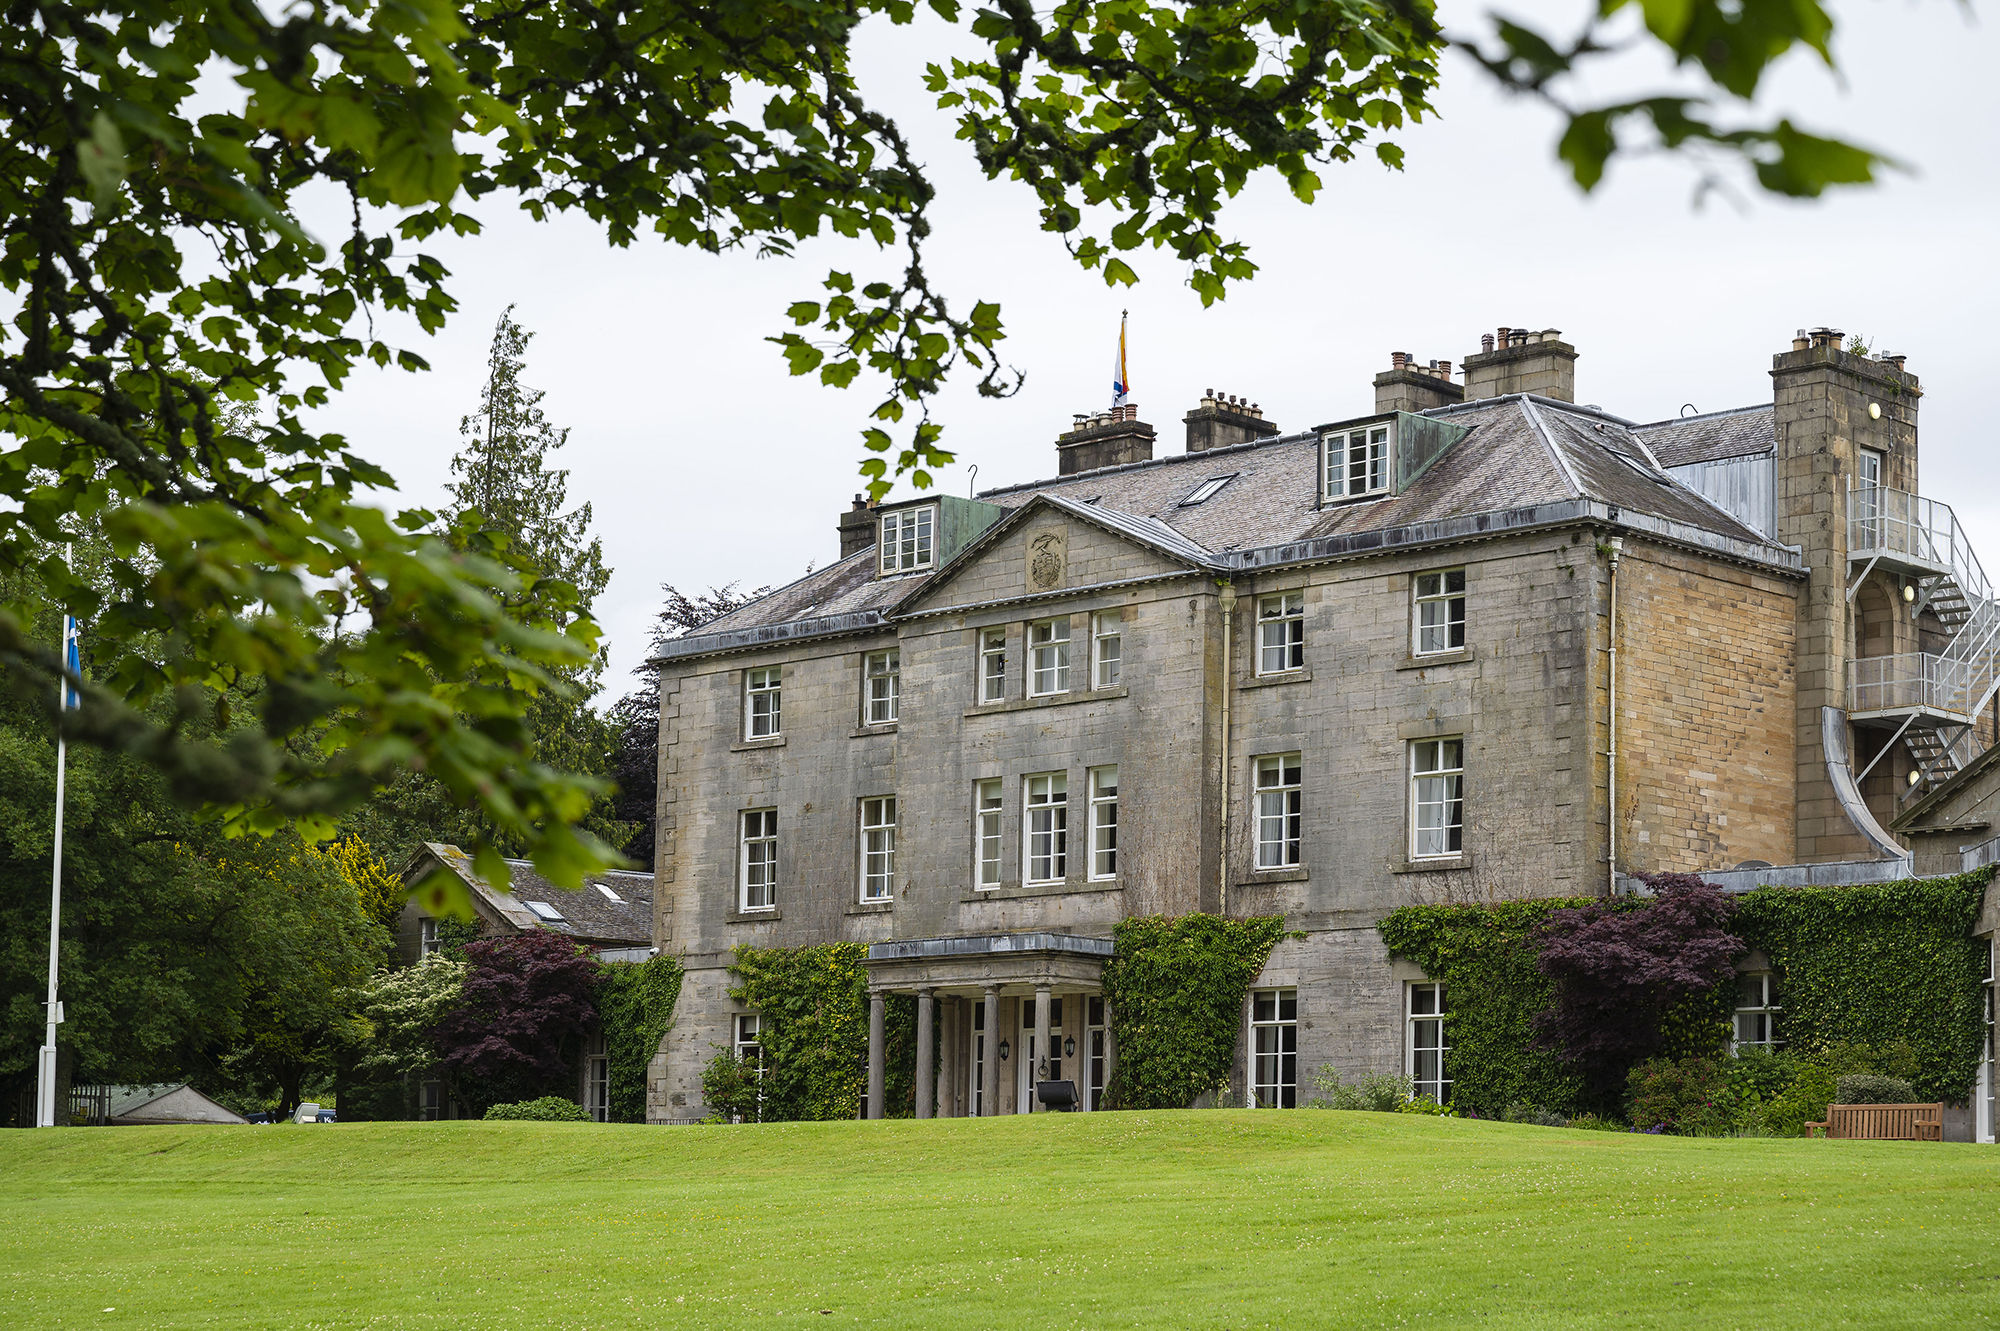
<point>1444,370</point>
<point>1485,342</point>
<point>1398,359</point>
<point>1501,339</point>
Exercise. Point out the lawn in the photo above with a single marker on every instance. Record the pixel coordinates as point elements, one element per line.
<point>1202,1219</point>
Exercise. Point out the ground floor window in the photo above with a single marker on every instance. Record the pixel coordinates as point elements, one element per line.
<point>1274,1030</point>
<point>1428,1053</point>
<point>750,1049</point>
<point>978,1059</point>
<point>1096,1040</point>
<point>1988,1100</point>
<point>597,1081</point>
<point>1757,1012</point>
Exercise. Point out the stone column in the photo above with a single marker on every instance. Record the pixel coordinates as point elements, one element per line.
<point>926,1054</point>
<point>877,1013</point>
<point>989,1078</point>
<point>947,1097</point>
<point>1035,1073</point>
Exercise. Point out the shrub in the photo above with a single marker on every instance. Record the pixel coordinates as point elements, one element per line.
<point>1675,1095</point>
<point>1423,1104</point>
<point>548,1109</point>
<point>527,1004</point>
<point>731,1088</point>
<point>1865,1088</point>
<point>1523,1112</point>
<point>1375,1092</point>
<point>1595,1123</point>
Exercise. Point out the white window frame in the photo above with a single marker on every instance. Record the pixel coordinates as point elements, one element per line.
<point>757,856</point>
<point>987,805</point>
<point>749,1047</point>
<point>427,936</point>
<point>1045,816</point>
<point>1281,633</point>
<point>763,703</point>
<point>908,539</point>
<point>1426,1006</point>
<point>1207,490</point>
<point>1096,1042</point>
<point>878,848</point>
<point>1278,808</point>
<point>1438,622</point>
<point>1357,461</point>
<point>1757,1000</point>
<point>1106,648</point>
<point>1103,823</point>
<point>976,1087</point>
<point>1048,641</point>
<point>993,665</point>
<point>1441,786</point>
<point>597,1080</point>
<point>1987,1103</point>
<point>882,673</point>
<point>1274,1048</point>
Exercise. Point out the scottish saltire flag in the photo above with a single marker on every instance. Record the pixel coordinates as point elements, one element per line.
<point>1121,379</point>
<point>73,661</point>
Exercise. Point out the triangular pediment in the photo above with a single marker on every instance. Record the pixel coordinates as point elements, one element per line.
<point>1050,545</point>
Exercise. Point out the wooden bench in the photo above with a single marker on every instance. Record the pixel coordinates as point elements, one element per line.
<point>1890,1123</point>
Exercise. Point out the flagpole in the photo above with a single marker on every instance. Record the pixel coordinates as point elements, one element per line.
<point>45,1109</point>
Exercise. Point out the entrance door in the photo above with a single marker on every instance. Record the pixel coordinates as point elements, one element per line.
<point>976,1084</point>
<point>1868,489</point>
<point>1031,1057</point>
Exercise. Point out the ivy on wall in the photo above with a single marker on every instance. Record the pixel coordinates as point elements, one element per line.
<point>1486,955</point>
<point>814,1005</point>
<point>1176,989</point>
<point>1870,964</point>
<point>1878,964</point>
<point>636,1005</point>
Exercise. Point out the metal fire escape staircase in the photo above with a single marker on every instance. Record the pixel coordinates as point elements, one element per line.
<point>1936,697</point>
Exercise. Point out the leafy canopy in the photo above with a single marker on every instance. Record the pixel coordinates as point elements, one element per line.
<point>160,279</point>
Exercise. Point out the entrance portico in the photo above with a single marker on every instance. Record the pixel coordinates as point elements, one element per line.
<point>972,994</point>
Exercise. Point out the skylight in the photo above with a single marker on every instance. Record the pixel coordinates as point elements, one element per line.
<point>544,911</point>
<point>609,895</point>
<point>1207,489</point>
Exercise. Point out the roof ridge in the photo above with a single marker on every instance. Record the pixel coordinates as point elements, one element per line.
<point>1297,436</point>
<point>1706,416</point>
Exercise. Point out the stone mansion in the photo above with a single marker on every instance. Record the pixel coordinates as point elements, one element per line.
<point>1478,642</point>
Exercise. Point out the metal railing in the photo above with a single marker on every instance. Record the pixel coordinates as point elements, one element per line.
<point>1906,681</point>
<point>1891,523</point>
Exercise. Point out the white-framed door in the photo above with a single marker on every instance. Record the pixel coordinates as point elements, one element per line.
<point>1029,1058</point>
<point>1983,1103</point>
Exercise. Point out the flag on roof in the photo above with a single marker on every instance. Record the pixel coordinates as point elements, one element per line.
<point>1121,379</point>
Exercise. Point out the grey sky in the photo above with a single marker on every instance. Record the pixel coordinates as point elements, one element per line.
<point>707,464</point>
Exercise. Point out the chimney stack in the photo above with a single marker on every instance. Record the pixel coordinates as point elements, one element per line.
<point>1104,439</point>
<point>1522,360</point>
<point>857,527</point>
<point>1222,419</point>
<point>1409,386</point>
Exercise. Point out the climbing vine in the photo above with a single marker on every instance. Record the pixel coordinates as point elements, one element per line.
<point>636,1005</point>
<point>1486,956</point>
<point>814,1033</point>
<point>1878,964</point>
<point>1874,965</point>
<point>1176,989</point>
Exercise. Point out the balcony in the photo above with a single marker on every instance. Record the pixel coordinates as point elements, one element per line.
<point>1906,533</point>
<point>1913,682</point>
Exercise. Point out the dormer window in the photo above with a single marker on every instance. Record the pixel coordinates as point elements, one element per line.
<point>907,539</point>
<point>1357,462</point>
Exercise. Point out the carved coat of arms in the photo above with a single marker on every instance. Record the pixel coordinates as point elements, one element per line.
<point>1048,558</point>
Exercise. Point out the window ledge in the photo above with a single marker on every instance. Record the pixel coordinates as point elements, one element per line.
<point>878,728</point>
<point>742,746</point>
<point>1303,675</point>
<point>870,907</point>
<point>752,916</point>
<point>1436,659</point>
<point>1068,887</point>
<point>1046,700</point>
<point>1297,873</point>
<point>1442,864</point>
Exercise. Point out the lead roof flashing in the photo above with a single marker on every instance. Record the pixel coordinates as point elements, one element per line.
<point>763,635</point>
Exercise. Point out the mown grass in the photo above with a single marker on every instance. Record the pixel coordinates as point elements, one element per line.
<point>1205,1219</point>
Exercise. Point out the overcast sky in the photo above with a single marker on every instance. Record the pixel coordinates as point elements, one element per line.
<point>706,464</point>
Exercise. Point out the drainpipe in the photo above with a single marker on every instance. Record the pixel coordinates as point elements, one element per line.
<point>1228,687</point>
<point>1611,730</point>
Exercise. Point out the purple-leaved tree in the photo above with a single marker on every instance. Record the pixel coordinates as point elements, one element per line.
<point>1619,971</point>
<point>529,1001</point>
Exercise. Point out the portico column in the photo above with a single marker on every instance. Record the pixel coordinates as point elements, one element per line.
<point>926,1055</point>
<point>877,1012</point>
<point>947,1099</point>
<point>989,1076</point>
<point>1038,1071</point>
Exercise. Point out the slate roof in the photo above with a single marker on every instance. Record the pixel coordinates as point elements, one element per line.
<point>1719,434</point>
<point>587,914</point>
<point>1520,453</point>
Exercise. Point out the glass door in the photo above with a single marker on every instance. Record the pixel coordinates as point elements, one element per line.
<point>1032,1069</point>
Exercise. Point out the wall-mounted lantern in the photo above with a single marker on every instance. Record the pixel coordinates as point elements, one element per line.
<point>1005,1049</point>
